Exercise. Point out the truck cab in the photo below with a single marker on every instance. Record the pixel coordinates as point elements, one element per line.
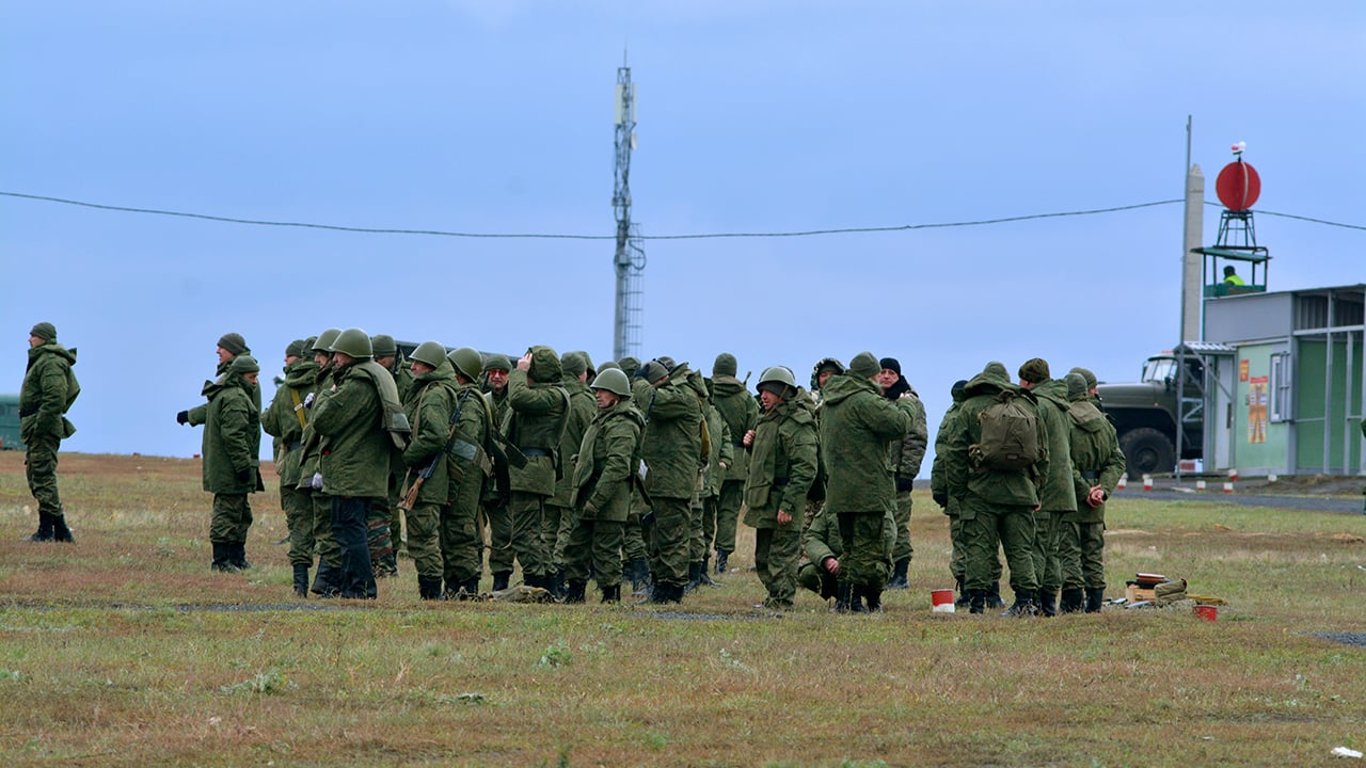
<point>1145,413</point>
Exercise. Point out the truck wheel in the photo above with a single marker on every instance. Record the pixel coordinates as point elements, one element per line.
<point>1147,452</point>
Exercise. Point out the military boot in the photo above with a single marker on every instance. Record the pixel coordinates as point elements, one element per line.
<point>301,580</point>
<point>1024,606</point>
<point>59,530</point>
<point>611,594</point>
<point>222,558</point>
<point>843,591</point>
<point>964,599</point>
<point>1095,598</point>
<point>44,532</point>
<point>325,580</point>
<point>899,578</point>
<point>977,601</point>
<point>1046,603</point>
<point>694,579</point>
<point>706,571</point>
<point>639,573</point>
<point>429,587</point>
<point>500,580</point>
<point>574,591</point>
<point>1072,601</point>
<point>722,560</point>
<point>873,598</point>
<point>239,556</point>
<point>667,593</point>
<point>994,600</point>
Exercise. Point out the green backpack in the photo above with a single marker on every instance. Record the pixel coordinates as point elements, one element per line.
<point>1009,434</point>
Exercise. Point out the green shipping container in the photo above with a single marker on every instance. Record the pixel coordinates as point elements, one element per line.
<point>9,423</point>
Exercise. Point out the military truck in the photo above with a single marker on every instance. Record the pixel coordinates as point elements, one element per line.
<point>1146,413</point>
<point>9,424</point>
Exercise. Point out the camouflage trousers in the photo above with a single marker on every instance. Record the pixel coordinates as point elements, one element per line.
<point>669,541</point>
<point>298,507</point>
<point>958,560</point>
<point>1047,567</point>
<point>596,543</point>
<point>987,527</point>
<point>528,542</point>
<point>424,539</point>
<point>867,549</point>
<point>903,550</point>
<point>461,541</point>
<point>381,544</point>
<point>634,545</point>
<point>1081,548</point>
<point>728,514</point>
<point>231,518</point>
<point>776,551</point>
<point>326,543</point>
<point>813,577</point>
<point>501,557</point>
<point>40,467</point>
<point>557,525</point>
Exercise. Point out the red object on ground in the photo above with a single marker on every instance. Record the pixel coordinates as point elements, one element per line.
<point>1207,612</point>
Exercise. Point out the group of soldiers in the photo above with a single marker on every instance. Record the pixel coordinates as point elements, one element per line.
<point>636,471</point>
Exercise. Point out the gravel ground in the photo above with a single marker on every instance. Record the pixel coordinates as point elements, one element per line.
<point>1357,639</point>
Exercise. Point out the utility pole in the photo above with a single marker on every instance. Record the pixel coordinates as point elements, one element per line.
<point>630,257</point>
<point>1192,262</point>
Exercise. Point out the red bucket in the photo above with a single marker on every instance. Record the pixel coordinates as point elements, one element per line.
<point>1207,612</point>
<point>941,600</point>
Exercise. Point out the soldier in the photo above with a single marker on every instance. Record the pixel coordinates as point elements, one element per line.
<point>325,581</point>
<point>426,487</point>
<point>1056,497</point>
<point>285,420</point>
<point>997,482</point>
<point>741,414</point>
<point>822,549</point>
<point>720,455</point>
<point>49,389</point>
<point>950,505</point>
<point>540,409</point>
<point>232,447</point>
<point>906,456</point>
<point>820,374</point>
<point>385,523</point>
<point>559,509</point>
<point>1097,465</point>
<point>497,518</point>
<point>603,477</point>
<point>470,469</point>
<point>634,549</point>
<point>857,426</point>
<point>672,455</point>
<point>230,345</point>
<point>782,467</point>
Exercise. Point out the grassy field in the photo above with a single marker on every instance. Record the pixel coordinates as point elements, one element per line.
<point>124,649</point>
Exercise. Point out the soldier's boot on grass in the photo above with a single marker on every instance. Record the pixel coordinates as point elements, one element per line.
<point>611,594</point>
<point>1024,606</point>
<point>994,600</point>
<point>694,577</point>
<point>500,580</point>
<point>873,598</point>
<point>301,580</point>
<point>1046,602</point>
<point>843,590</point>
<point>722,560</point>
<point>1072,601</point>
<point>964,598</point>
<point>44,532</point>
<point>706,571</point>
<point>239,556</point>
<point>574,591</point>
<point>429,587</point>
<point>222,558</point>
<point>899,578</point>
<point>1095,598</point>
<point>666,593</point>
<point>60,532</point>
<point>977,601</point>
<point>325,580</point>
<point>639,573</point>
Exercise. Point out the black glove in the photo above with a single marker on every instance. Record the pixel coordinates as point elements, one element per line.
<point>942,499</point>
<point>183,417</point>
<point>904,484</point>
<point>244,475</point>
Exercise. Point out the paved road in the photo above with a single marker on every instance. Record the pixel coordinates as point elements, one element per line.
<point>1338,504</point>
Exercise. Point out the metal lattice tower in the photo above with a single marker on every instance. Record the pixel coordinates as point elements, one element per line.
<point>630,256</point>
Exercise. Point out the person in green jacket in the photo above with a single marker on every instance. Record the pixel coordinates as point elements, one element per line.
<point>604,474</point>
<point>997,505</point>
<point>540,408</point>
<point>470,467</point>
<point>49,389</point>
<point>741,413</point>
<point>635,551</point>
<point>325,581</point>
<point>385,525</point>
<point>559,510</point>
<point>720,455</point>
<point>1097,466</point>
<point>285,420</point>
<point>494,507</point>
<point>230,345</point>
<point>1055,497</point>
<point>822,549</point>
<point>429,404</point>
<point>231,450</point>
<point>906,456</point>
<point>349,418</point>
<point>857,427</point>
<point>782,467</point>
<point>673,456</point>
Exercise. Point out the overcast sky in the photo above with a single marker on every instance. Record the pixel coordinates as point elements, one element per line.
<point>497,117</point>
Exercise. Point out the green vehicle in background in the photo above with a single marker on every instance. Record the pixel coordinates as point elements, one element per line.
<point>9,424</point>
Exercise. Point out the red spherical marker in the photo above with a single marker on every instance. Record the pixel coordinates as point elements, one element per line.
<point>1238,186</point>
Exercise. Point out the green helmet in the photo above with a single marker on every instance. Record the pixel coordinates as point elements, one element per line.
<point>778,374</point>
<point>429,352</point>
<point>613,380</point>
<point>323,343</point>
<point>383,345</point>
<point>467,361</point>
<point>354,343</point>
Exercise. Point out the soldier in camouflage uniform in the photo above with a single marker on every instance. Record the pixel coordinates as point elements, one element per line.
<point>540,409</point>
<point>230,345</point>
<point>49,389</point>
<point>820,374</point>
<point>559,510</point>
<point>635,548</point>
<point>672,455</point>
<point>231,450</point>
<point>497,518</point>
<point>325,580</point>
<point>950,505</point>
<point>1097,465</point>
<point>604,474</point>
<point>1056,498</point>
<point>720,455</point>
<point>857,426</point>
<point>285,420</point>
<point>782,467</point>
<point>385,522</point>
<point>906,456</point>
<point>430,402</point>
<point>470,470</point>
<point>741,413</point>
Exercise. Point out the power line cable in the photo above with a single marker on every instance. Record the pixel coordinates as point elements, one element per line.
<point>563,236</point>
<point>1299,218</point>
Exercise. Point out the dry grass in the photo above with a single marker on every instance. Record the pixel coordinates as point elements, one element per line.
<point>101,663</point>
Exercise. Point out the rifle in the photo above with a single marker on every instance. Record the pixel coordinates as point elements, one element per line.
<point>425,474</point>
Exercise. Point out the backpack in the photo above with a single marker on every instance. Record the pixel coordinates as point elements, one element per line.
<point>1009,434</point>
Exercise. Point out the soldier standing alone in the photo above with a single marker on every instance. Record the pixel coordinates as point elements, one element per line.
<point>48,392</point>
